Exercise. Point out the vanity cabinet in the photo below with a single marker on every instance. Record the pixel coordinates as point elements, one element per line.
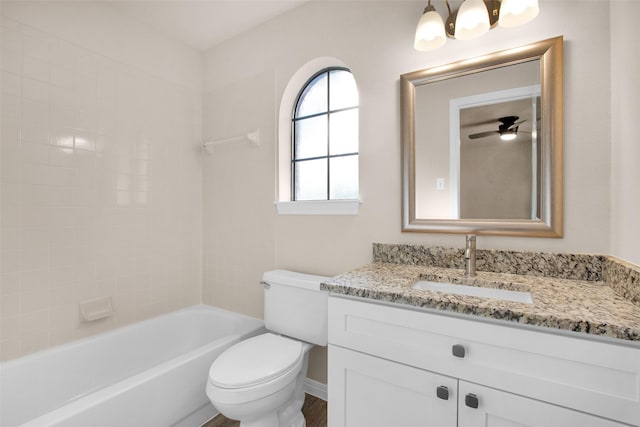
<point>391,365</point>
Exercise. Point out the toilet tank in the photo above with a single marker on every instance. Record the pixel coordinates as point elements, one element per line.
<point>295,306</point>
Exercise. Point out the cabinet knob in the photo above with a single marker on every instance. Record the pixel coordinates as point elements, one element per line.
<point>471,400</point>
<point>442,392</point>
<point>458,350</point>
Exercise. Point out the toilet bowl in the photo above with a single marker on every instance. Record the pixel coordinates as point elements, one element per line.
<point>260,381</point>
<point>256,381</point>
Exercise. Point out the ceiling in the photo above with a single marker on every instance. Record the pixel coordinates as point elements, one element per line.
<point>205,23</point>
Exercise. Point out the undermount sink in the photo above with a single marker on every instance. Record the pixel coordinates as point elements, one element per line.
<point>475,291</point>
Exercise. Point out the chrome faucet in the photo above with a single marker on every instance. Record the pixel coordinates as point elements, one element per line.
<point>470,256</point>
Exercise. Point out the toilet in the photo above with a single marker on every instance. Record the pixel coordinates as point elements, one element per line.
<point>259,381</point>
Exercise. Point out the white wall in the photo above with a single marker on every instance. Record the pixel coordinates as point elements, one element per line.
<point>375,39</point>
<point>625,134</point>
<point>101,171</point>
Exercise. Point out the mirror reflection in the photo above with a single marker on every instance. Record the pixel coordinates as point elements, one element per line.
<point>466,164</point>
<point>482,144</point>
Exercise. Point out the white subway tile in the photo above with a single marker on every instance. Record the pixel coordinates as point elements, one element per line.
<point>61,77</point>
<point>86,120</point>
<point>84,141</point>
<point>10,325</point>
<point>62,137</point>
<point>11,83</point>
<point>35,90</point>
<point>64,97</point>
<point>11,109</point>
<point>35,68</point>
<point>86,65</point>
<point>37,132</point>
<point>35,44</point>
<point>61,296</point>
<point>11,60</point>
<point>34,342</point>
<point>63,319</point>
<point>34,280</point>
<point>10,35</point>
<point>9,348</point>
<point>11,238</point>
<point>33,301</point>
<point>61,156</point>
<point>35,153</point>
<point>61,116</point>
<point>63,54</point>
<point>10,261</point>
<point>35,237</point>
<point>61,276</point>
<point>34,259</point>
<point>10,306</point>
<point>34,323</point>
<point>10,283</point>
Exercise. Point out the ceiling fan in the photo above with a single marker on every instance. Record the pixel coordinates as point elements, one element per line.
<point>508,129</point>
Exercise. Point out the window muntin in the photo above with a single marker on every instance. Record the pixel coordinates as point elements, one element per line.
<point>324,164</point>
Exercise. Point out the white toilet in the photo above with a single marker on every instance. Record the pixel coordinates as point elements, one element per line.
<point>259,381</point>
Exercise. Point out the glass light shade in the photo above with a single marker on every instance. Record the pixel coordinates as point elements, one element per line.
<point>517,12</point>
<point>509,135</point>
<point>430,32</point>
<point>472,20</point>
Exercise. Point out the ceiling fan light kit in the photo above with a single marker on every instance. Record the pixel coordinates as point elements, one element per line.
<point>508,129</point>
<point>471,20</point>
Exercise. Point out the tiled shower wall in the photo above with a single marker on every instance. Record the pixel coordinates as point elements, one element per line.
<point>101,190</point>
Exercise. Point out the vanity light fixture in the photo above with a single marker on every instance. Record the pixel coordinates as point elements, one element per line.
<point>471,20</point>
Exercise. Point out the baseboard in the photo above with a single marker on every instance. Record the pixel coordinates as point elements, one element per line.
<point>315,388</point>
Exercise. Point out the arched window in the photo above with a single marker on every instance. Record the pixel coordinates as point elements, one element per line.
<point>324,159</point>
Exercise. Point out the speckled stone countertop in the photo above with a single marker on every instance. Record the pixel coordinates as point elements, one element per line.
<point>579,305</point>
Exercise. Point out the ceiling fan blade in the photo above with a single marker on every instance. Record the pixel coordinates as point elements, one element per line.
<point>483,134</point>
<point>482,123</point>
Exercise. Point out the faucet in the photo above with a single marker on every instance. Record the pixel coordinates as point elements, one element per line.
<point>470,256</point>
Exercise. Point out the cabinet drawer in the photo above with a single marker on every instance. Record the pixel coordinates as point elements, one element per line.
<point>582,374</point>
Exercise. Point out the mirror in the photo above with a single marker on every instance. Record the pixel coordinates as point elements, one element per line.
<point>482,144</point>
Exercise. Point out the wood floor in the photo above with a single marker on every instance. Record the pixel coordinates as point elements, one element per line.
<point>314,410</point>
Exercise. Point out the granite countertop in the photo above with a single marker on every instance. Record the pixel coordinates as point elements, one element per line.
<point>590,307</point>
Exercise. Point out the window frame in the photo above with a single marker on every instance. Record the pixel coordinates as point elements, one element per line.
<point>283,203</point>
<point>295,118</point>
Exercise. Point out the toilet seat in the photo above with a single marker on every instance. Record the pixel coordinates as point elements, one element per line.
<point>255,368</point>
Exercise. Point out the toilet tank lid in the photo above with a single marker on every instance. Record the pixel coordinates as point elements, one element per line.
<point>292,278</point>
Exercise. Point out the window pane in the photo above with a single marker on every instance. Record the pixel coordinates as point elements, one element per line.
<point>344,92</point>
<point>311,137</point>
<point>343,132</point>
<point>314,98</point>
<point>311,180</point>
<point>344,177</point>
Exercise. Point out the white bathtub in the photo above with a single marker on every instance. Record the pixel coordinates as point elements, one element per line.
<point>151,373</point>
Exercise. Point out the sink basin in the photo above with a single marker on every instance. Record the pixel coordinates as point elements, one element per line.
<point>474,291</point>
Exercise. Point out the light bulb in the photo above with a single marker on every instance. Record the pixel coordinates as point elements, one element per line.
<point>472,20</point>
<point>509,135</point>
<point>517,12</point>
<point>430,31</point>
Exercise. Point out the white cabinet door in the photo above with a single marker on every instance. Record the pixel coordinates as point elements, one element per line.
<point>496,408</point>
<point>367,391</point>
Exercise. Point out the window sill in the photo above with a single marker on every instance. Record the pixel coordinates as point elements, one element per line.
<point>319,207</point>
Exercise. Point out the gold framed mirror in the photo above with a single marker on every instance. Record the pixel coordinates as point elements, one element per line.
<point>482,149</point>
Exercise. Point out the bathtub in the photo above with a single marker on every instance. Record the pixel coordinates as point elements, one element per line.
<point>151,373</point>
